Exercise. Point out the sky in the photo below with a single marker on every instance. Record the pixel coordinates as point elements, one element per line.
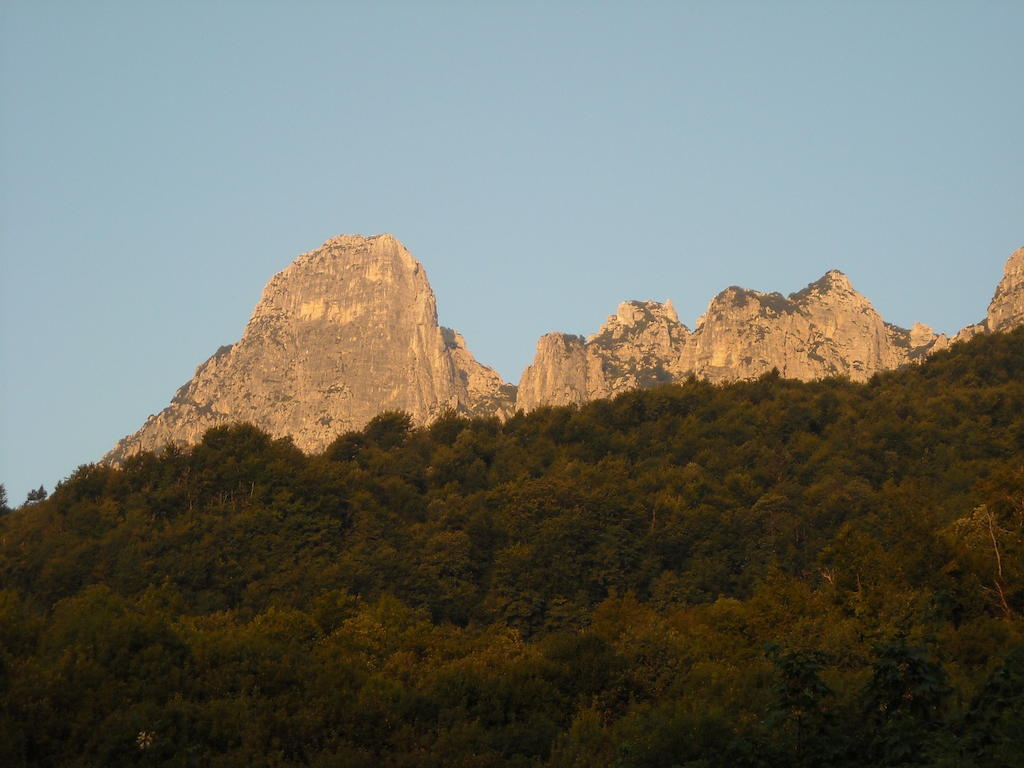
<point>543,160</point>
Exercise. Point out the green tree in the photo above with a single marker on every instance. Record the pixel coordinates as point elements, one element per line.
<point>993,731</point>
<point>389,429</point>
<point>801,715</point>
<point>903,703</point>
<point>39,494</point>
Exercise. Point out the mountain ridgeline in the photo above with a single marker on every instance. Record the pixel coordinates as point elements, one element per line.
<point>350,330</point>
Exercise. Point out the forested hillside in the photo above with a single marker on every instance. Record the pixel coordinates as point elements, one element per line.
<point>769,573</point>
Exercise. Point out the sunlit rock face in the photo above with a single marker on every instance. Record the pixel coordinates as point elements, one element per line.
<point>558,375</point>
<point>1006,311</point>
<point>343,333</point>
<point>826,329</point>
<point>631,350</point>
<point>350,330</point>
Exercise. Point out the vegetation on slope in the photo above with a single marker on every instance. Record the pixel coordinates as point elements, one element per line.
<point>771,573</point>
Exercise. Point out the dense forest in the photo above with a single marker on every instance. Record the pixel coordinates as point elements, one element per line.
<point>769,573</point>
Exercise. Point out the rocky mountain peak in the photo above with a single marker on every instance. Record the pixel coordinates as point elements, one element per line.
<point>342,280</point>
<point>833,284</point>
<point>343,333</point>
<point>630,313</point>
<point>644,322</point>
<point>837,281</point>
<point>922,335</point>
<point>735,301</point>
<point>630,350</point>
<point>824,329</point>
<point>558,375</point>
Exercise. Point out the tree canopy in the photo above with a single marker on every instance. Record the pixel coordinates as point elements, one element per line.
<point>768,573</point>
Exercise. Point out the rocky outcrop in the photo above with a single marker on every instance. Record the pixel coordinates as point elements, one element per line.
<point>343,333</point>
<point>1006,311</point>
<point>559,374</point>
<point>825,329</point>
<point>350,330</point>
<point>631,350</point>
<point>482,392</point>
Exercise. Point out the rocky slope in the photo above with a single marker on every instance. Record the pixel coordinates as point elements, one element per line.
<point>343,333</point>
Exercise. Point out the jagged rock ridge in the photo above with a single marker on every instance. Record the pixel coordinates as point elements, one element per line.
<point>826,329</point>
<point>350,330</point>
<point>343,333</point>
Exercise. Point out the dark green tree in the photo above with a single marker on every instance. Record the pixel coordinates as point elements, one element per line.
<point>388,429</point>
<point>993,732</point>
<point>39,494</point>
<point>903,703</point>
<point>801,717</point>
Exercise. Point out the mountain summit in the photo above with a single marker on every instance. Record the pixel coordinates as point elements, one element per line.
<point>350,330</point>
<point>343,333</point>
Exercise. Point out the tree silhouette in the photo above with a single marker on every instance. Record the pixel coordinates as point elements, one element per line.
<point>39,494</point>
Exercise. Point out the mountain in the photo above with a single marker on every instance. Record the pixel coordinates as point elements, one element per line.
<point>350,330</point>
<point>826,329</point>
<point>346,331</point>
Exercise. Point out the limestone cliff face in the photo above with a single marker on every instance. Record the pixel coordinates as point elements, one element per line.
<point>482,391</point>
<point>826,329</point>
<point>638,346</point>
<point>558,375</point>
<point>1006,311</point>
<point>634,348</point>
<point>343,333</point>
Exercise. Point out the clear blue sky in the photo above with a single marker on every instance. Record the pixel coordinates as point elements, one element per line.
<point>544,160</point>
